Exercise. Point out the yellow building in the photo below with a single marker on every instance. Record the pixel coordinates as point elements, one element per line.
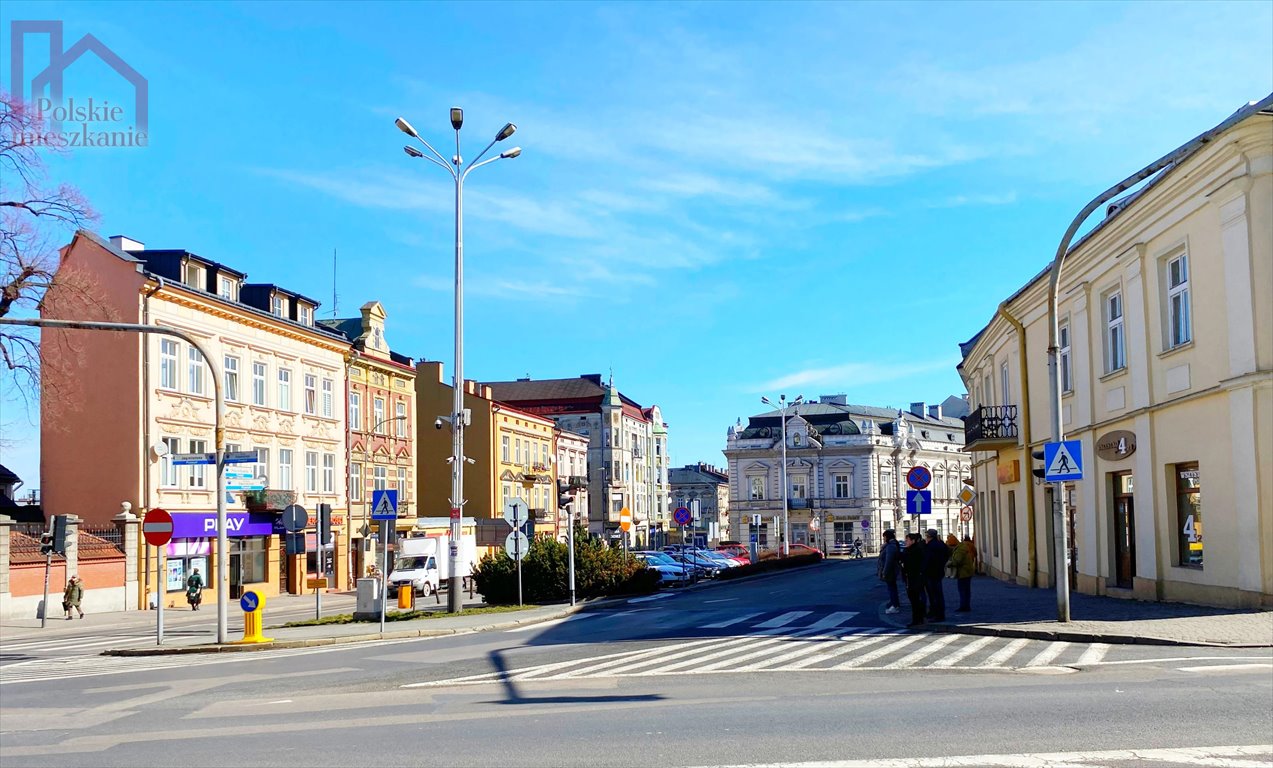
<point>1166,365</point>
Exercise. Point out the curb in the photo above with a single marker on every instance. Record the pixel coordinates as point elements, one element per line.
<point>346,640</point>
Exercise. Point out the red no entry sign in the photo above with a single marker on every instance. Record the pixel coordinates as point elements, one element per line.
<point>157,527</point>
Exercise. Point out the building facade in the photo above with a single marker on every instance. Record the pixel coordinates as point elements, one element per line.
<point>117,407</point>
<point>704,491</point>
<point>846,473</point>
<point>622,466</point>
<point>572,478</point>
<point>381,415</point>
<point>1166,364</point>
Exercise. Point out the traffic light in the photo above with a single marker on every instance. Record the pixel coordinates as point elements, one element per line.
<point>1039,472</point>
<point>565,495</point>
<point>59,534</point>
<point>46,543</point>
<point>324,524</point>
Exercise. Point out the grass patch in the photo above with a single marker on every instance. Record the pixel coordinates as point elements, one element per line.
<point>348,618</point>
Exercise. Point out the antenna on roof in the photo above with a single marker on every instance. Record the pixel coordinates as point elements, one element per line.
<point>334,297</point>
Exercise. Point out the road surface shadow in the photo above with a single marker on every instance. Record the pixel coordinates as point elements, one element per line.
<point>513,696</point>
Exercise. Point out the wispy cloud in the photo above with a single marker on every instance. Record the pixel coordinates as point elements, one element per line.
<point>852,375</point>
<point>959,201</point>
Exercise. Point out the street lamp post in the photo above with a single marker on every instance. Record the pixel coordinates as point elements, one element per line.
<point>459,171</point>
<point>782,407</point>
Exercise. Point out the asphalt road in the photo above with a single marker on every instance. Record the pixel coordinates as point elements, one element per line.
<point>789,669</point>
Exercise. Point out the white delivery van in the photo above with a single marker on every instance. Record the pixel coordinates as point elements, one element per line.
<point>425,562</point>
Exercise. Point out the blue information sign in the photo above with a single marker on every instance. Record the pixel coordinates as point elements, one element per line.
<point>1063,461</point>
<point>384,504</point>
<point>919,502</point>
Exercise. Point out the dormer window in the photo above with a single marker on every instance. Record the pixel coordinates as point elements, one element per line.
<point>225,288</point>
<point>194,275</point>
<point>305,314</point>
<point>276,305</point>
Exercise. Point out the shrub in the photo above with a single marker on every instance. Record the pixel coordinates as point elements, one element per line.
<point>599,571</point>
<point>771,564</point>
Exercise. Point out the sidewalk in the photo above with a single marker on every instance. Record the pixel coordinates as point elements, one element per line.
<point>1009,610</point>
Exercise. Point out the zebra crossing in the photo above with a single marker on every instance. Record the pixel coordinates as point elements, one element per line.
<point>60,646</point>
<point>801,641</point>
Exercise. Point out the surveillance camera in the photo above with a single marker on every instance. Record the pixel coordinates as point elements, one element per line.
<point>437,423</point>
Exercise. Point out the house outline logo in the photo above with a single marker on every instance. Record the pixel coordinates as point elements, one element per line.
<point>51,77</point>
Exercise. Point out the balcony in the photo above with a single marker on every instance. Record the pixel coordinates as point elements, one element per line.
<point>991,427</point>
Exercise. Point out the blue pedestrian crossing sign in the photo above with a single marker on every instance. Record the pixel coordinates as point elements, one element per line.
<point>919,502</point>
<point>1063,461</point>
<point>384,504</point>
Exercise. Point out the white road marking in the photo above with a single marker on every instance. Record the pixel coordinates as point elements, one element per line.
<point>552,622</point>
<point>721,600</point>
<point>922,653</point>
<point>786,618</point>
<point>1209,755</point>
<point>1093,655</point>
<point>1046,655</point>
<point>731,622</point>
<point>854,643</point>
<point>1167,659</point>
<point>1003,654</point>
<point>833,621</point>
<point>963,653</point>
<point>1226,668</point>
<point>896,645</point>
<point>648,598</point>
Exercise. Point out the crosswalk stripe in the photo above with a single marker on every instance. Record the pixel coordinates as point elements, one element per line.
<point>661,653</point>
<point>1094,653</point>
<point>922,653</point>
<point>963,653</point>
<point>854,643</point>
<point>803,647</point>
<point>759,649</point>
<point>834,620</point>
<point>1046,655</point>
<point>866,658</point>
<point>724,649</point>
<point>1003,654</point>
<point>731,622</point>
<point>552,623</point>
<point>782,620</point>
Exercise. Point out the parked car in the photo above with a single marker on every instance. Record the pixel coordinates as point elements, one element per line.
<point>737,551</point>
<point>719,557</point>
<point>794,549</point>
<point>671,573</point>
<point>709,568</point>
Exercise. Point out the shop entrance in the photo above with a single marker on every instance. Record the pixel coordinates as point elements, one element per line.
<point>236,575</point>
<point>1124,531</point>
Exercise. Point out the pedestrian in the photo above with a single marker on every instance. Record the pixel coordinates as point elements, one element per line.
<point>951,541</point>
<point>964,559</point>
<point>72,595</point>
<point>934,570</point>
<point>194,590</point>
<point>887,565</point>
<point>913,570</point>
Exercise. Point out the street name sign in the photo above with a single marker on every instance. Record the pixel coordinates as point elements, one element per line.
<point>1063,461</point>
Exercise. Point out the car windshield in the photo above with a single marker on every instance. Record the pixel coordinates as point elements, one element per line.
<point>412,563</point>
<point>656,557</point>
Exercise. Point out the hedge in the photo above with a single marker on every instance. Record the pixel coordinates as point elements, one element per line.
<point>774,564</point>
<point>599,571</point>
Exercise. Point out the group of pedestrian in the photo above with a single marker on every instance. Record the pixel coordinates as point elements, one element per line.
<point>922,564</point>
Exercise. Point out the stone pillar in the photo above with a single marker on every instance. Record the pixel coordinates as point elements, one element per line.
<point>129,528</point>
<point>6,524</point>
<point>73,545</point>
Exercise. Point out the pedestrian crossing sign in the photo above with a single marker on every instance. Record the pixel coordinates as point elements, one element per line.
<point>1063,461</point>
<point>384,504</point>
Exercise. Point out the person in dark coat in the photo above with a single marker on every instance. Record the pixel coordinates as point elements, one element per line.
<point>913,557</point>
<point>934,571</point>
<point>888,566</point>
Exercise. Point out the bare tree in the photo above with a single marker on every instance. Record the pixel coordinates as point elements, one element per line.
<point>35,218</point>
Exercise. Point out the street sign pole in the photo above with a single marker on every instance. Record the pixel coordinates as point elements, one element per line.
<point>570,555</point>
<point>159,601</point>
<point>48,566</point>
<point>318,565</point>
<point>517,549</point>
<point>384,572</point>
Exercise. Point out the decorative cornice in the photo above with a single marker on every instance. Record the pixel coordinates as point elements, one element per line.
<point>237,315</point>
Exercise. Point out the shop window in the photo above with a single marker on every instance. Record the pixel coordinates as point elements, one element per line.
<point>252,559</point>
<point>1189,514</point>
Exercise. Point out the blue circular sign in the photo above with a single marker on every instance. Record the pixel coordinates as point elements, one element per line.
<point>682,516</point>
<point>919,478</point>
<point>250,601</point>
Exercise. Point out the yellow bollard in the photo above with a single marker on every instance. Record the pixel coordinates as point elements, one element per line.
<point>253,603</point>
<point>406,597</point>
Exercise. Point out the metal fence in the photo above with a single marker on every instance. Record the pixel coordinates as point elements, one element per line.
<point>109,533</point>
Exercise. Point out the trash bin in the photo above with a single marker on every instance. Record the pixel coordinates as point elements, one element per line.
<point>406,598</point>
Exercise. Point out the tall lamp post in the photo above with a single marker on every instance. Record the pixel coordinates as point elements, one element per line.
<point>459,171</point>
<point>782,407</point>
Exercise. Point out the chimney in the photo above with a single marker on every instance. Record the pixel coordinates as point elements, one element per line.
<point>934,412</point>
<point>126,244</point>
<point>918,409</point>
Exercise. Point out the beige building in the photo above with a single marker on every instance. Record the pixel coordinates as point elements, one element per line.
<point>704,491</point>
<point>1166,362</point>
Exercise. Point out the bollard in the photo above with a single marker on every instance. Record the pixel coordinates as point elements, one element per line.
<point>406,597</point>
<point>253,603</point>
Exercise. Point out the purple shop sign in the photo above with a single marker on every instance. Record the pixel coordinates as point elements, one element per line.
<point>204,524</point>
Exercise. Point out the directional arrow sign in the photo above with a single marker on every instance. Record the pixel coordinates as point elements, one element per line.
<point>919,502</point>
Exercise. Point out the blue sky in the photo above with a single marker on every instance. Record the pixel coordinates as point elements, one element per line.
<point>715,201</point>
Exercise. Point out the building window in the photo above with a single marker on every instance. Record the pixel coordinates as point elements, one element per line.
<point>167,364</point>
<point>1179,322</point>
<point>231,375</point>
<point>258,384</point>
<point>517,451</point>
<point>1005,390</point>
<point>503,441</point>
<point>263,463</point>
<point>355,411</point>
<point>1067,374</point>
<point>329,473</point>
<point>1115,342</point>
<point>285,469</point>
<point>276,305</point>
<point>194,276</point>
<point>757,487</point>
<point>168,470</point>
<point>799,487</point>
<point>252,559</point>
<point>355,482</point>
<point>305,314</point>
<point>843,488</point>
<point>198,475</point>
<point>402,485</point>
<point>400,417</point>
<point>226,288</point>
<point>328,390</point>
<point>378,413</point>
<point>311,394</point>
<point>1189,514</point>
<point>887,489</point>
<point>195,367</point>
<point>284,390</point>
<point>380,478</point>
<point>311,472</point>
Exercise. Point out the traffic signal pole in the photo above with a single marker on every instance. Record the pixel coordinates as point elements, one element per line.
<point>47,546</point>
